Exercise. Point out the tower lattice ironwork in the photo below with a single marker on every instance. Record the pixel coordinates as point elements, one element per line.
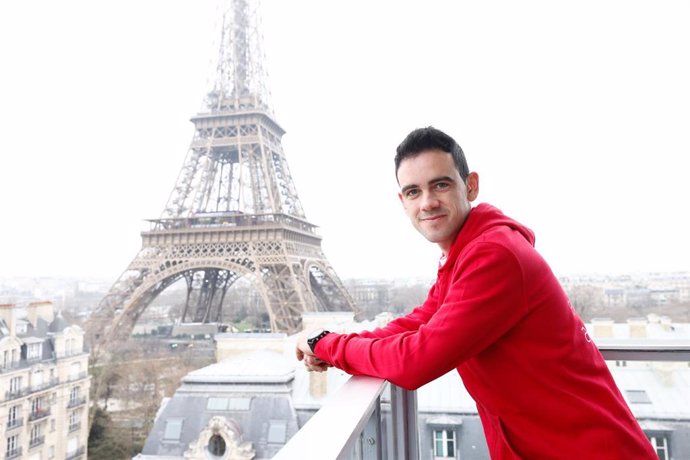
<point>233,212</point>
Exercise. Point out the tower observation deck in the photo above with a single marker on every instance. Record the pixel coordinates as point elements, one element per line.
<point>233,212</point>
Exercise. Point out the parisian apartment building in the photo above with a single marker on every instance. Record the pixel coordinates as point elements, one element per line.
<point>44,384</point>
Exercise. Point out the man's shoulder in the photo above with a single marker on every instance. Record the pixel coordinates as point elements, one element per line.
<point>503,243</point>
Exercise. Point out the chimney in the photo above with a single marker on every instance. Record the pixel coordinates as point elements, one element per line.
<point>230,345</point>
<point>602,327</point>
<point>382,319</point>
<point>638,327</point>
<point>666,323</point>
<point>664,371</point>
<point>653,318</point>
<point>42,309</point>
<point>7,315</point>
<point>330,320</point>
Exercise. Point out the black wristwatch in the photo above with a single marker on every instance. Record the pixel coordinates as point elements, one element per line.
<point>315,336</point>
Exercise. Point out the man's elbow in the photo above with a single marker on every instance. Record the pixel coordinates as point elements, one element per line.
<point>410,381</point>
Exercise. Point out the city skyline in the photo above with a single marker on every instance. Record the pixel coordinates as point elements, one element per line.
<point>573,115</point>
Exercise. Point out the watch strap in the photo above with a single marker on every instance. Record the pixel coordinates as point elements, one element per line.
<point>312,341</point>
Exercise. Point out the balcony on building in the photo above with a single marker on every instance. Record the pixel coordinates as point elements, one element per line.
<point>36,441</point>
<point>74,427</point>
<point>39,414</point>
<point>377,420</point>
<point>74,402</point>
<point>14,423</point>
<point>13,453</point>
<point>78,453</point>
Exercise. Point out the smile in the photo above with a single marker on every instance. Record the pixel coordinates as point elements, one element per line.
<point>432,218</point>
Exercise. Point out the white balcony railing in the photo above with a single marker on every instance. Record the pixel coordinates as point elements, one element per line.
<point>348,426</point>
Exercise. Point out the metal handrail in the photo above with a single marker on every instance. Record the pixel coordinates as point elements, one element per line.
<point>14,423</point>
<point>353,405</point>
<point>13,453</point>
<point>357,408</point>
<point>75,454</point>
<point>74,402</point>
<point>644,349</point>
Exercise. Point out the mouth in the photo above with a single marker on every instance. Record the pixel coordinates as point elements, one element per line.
<point>432,218</point>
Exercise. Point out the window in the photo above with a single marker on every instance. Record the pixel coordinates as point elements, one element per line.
<point>74,395</point>
<point>660,444</point>
<point>38,408</point>
<point>216,445</point>
<point>12,445</point>
<point>277,431</point>
<point>74,420</point>
<point>239,403</point>
<point>13,416</point>
<point>34,351</point>
<point>637,397</point>
<point>36,436</point>
<point>173,428</point>
<point>15,385</point>
<point>72,445</point>
<point>217,403</point>
<point>444,444</point>
<point>36,404</point>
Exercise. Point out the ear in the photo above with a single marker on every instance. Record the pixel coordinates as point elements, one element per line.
<point>400,197</point>
<point>472,186</point>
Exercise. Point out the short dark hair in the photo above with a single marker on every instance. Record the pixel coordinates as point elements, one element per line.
<point>430,138</point>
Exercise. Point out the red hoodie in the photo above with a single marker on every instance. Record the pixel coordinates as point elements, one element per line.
<point>499,316</point>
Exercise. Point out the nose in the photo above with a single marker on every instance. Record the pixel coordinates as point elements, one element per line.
<point>429,202</point>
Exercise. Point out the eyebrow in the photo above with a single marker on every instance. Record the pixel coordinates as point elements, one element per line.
<point>431,182</point>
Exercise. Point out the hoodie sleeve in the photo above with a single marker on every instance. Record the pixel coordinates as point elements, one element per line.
<point>407,323</point>
<point>484,300</point>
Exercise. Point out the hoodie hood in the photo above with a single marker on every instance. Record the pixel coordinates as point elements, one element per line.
<point>484,218</point>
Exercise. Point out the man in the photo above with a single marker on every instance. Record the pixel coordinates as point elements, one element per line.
<point>498,315</point>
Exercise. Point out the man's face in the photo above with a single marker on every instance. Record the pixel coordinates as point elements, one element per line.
<point>434,196</point>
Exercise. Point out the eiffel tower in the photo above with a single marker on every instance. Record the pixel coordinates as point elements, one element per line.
<point>233,212</point>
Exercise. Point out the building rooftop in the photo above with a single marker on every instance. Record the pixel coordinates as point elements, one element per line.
<point>263,392</point>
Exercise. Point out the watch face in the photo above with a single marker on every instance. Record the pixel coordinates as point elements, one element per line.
<point>315,334</point>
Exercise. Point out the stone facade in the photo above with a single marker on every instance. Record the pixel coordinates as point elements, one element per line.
<point>44,384</point>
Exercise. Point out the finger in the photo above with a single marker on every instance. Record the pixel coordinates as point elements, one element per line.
<point>321,366</point>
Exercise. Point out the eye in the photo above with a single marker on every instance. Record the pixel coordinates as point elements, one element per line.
<point>441,185</point>
<point>411,193</point>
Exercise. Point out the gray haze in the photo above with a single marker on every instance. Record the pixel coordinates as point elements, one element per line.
<point>575,115</point>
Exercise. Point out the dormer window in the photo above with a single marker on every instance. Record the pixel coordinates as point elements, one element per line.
<point>34,351</point>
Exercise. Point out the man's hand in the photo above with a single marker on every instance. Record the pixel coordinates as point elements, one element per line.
<point>303,352</point>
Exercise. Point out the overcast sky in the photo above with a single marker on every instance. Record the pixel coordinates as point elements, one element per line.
<point>576,115</point>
